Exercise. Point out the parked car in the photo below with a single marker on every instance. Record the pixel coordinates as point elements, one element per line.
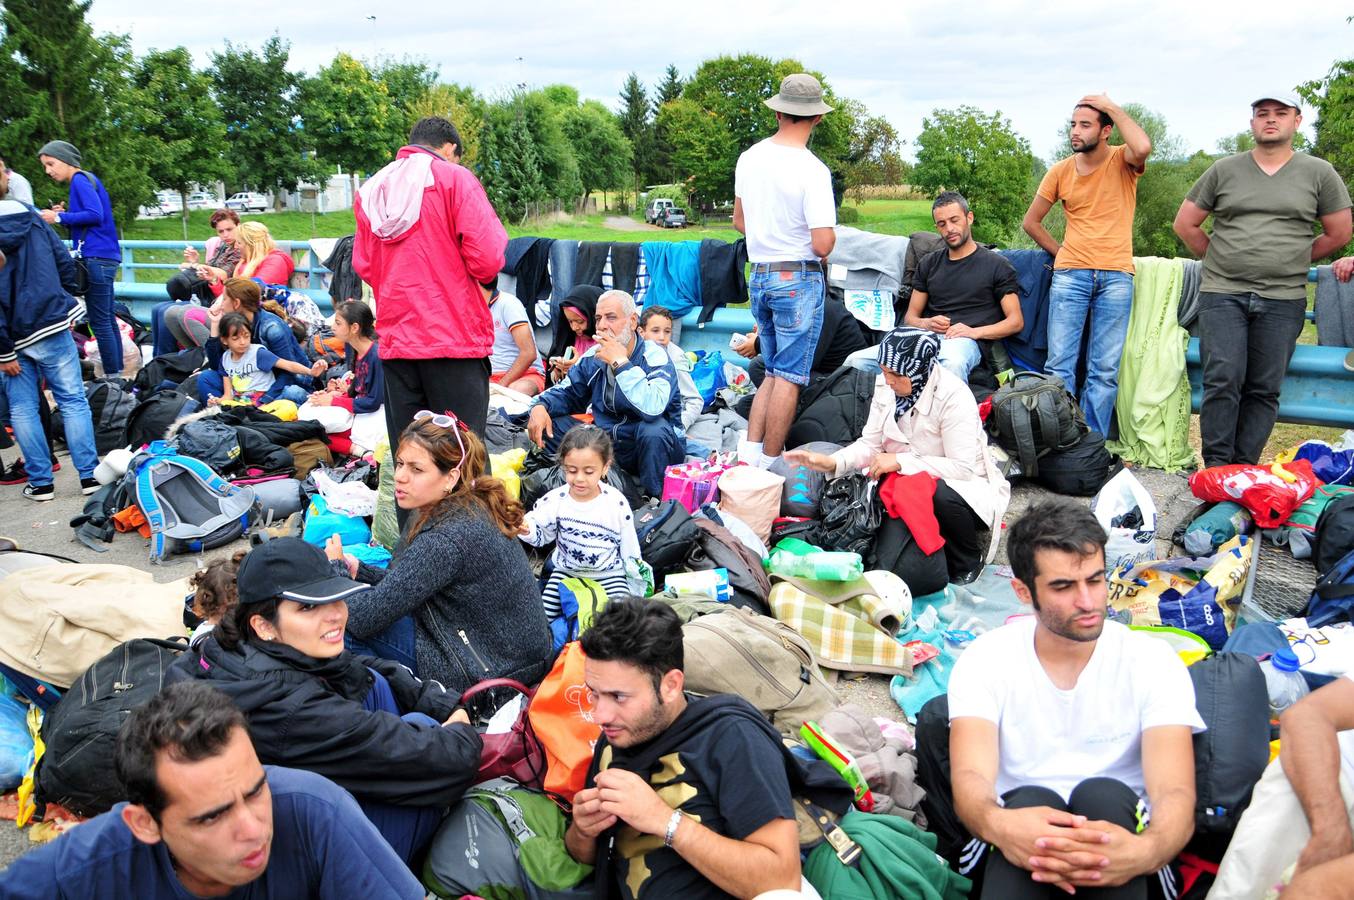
<point>203,200</point>
<point>247,201</point>
<point>655,208</point>
<point>672,217</point>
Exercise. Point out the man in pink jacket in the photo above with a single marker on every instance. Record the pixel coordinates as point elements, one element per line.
<point>426,240</point>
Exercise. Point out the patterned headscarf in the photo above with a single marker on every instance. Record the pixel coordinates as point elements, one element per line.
<point>911,352</point>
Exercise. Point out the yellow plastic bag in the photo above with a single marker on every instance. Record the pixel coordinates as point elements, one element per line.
<point>27,806</point>
<point>505,467</point>
<point>1196,594</point>
<point>283,409</point>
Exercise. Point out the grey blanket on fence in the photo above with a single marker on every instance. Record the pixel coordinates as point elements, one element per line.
<point>1334,309</point>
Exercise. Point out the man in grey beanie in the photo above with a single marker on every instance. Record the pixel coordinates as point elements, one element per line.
<point>94,235</point>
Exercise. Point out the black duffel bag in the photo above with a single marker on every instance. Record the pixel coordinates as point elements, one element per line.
<point>1334,534</point>
<point>80,731</point>
<point>1080,471</point>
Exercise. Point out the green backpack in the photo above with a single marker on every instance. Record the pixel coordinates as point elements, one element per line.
<point>504,842</point>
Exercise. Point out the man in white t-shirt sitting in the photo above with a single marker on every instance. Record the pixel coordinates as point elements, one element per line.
<point>783,202</point>
<point>514,361</point>
<point>1071,750</point>
<point>1301,811</point>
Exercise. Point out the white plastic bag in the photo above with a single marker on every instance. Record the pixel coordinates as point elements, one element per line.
<point>334,418</point>
<point>347,498</point>
<point>1132,541</point>
<point>369,429</point>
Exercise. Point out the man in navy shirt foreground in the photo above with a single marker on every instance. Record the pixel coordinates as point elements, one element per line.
<point>205,819</point>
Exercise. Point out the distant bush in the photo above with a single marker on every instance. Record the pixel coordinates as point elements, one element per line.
<point>847,215</point>
<point>864,192</point>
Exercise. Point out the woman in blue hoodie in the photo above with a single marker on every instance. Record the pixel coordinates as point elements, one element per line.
<point>89,217</point>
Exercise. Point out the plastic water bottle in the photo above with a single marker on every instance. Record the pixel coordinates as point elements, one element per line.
<point>821,565</point>
<point>1285,683</point>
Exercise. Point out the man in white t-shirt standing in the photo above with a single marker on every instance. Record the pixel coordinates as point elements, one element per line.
<point>1301,811</point>
<point>1071,738</point>
<point>783,202</point>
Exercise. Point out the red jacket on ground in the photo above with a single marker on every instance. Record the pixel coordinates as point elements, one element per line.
<point>426,238</point>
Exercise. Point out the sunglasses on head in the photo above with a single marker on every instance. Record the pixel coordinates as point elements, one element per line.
<point>445,420</point>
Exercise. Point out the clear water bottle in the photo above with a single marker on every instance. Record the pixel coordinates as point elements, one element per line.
<point>821,565</point>
<point>1283,680</point>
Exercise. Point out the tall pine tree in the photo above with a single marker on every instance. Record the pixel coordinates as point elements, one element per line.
<point>661,167</point>
<point>637,124</point>
<point>508,166</point>
<point>64,82</point>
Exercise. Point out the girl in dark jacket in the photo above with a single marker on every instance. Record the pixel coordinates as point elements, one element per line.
<point>398,744</point>
<point>459,602</point>
<point>574,329</point>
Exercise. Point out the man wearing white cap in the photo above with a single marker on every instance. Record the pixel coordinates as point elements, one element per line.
<point>1253,297</point>
<point>783,202</point>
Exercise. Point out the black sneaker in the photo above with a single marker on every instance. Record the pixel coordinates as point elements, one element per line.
<point>44,493</point>
<point>89,485</point>
<point>15,473</point>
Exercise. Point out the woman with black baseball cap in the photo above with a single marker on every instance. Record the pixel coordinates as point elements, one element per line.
<point>399,745</point>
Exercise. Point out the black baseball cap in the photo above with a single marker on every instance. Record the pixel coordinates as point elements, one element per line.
<point>290,569</point>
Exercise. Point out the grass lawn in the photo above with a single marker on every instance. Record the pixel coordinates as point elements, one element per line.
<point>894,216</point>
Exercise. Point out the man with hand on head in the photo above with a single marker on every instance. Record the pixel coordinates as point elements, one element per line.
<point>1093,266</point>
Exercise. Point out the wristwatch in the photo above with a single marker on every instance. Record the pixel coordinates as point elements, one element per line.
<point>619,364</point>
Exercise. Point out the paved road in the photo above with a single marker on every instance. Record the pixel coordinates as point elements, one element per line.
<point>44,527</point>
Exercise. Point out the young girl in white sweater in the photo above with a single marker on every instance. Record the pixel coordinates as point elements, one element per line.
<point>590,522</point>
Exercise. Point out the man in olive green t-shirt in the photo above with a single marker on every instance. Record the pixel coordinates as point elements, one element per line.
<point>1253,296</point>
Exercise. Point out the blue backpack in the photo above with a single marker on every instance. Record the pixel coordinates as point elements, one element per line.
<point>188,506</point>
<point>1333,599</point>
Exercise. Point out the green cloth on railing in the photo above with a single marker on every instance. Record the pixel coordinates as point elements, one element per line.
<point>1153,403</point>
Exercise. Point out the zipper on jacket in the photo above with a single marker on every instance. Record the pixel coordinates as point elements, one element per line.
<point>122,684</point>
<point>752,660</point>
<point>471,648</point>
<point>443,642</point>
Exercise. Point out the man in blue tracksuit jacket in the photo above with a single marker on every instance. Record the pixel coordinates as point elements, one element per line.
<point>631,386</point>
<point>36,313</point>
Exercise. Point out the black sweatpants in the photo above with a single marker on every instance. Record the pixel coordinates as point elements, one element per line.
<point>896,550</point>
<point>994,878</point>
<point>457,386</point>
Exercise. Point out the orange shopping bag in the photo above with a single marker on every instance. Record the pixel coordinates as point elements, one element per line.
<point>561,716</point>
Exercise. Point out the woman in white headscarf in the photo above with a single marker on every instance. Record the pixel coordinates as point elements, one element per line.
<point>924,422</point>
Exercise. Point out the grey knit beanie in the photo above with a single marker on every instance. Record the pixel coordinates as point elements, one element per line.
<point>62,150</point>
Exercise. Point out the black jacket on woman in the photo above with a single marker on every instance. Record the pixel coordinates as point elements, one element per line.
<point>476,604</point>
<point>307,713</point>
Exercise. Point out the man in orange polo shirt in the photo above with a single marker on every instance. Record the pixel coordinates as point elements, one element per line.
<point>1093,266</point>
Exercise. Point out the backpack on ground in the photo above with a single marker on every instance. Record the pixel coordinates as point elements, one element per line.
<point>76,770</point>
<point>834,409</point>
<point>504,841</point>
<point>717,548</point>
<point>765,662</point>
<point>1334,534</point>
<point>1333,598</point>
<point>173,368</point>
<point>1080,471</point>
<point>110,406</point>
<point>212,441</point>
<point>188,506</point>
<point>666,534</point>
<point>95,522</point>
<point>1033,415</point>
<point>1230,757</point>
<point>152,417</point>
<point>580,600</point>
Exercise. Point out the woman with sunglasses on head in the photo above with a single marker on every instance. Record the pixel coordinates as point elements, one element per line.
<point>459,603</point>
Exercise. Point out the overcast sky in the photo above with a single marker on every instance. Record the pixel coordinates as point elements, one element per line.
<point>1197,62</point>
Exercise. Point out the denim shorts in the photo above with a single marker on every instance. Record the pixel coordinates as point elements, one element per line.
<point>788,307</point>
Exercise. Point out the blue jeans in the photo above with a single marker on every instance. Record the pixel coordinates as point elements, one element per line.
<point>788,307</point>
<point>99,309</point>
<point>1107,297</point>
<point>398,643</point>
<point>55,361</point>
<point>960,356</point>
<point>644,449</point>
<point>408,829</point>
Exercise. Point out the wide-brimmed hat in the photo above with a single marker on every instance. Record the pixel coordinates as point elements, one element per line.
<point>800,95</point>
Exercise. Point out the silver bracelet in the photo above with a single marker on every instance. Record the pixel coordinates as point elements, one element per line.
<point>671,834</point>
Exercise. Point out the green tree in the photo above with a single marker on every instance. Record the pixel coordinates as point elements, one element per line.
<point>463,108</point>
<point>508,166</point>
<point>257,96</point>
<point>1332,98</point>
<point>544,123</point>
<point>186,131</point>
<point>670,88</point>
<point>603,152</point>
<point>407,82</point>
<point>637,125</point>
<point>982,157</point>
<point>62,81</point>
<point>1164,144</point>
<point>703,152</point>
<point>874,156</point>
<point>348,116</point>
